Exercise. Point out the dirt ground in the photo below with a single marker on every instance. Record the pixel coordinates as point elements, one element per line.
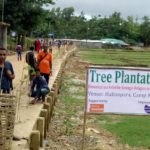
<point>18,68</point>
<point>62,137</point>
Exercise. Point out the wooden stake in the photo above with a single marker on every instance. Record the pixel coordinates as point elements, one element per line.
<point>85,114</point>
<point>83,136</point>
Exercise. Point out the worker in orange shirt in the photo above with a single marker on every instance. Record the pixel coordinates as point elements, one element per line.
<point>44,60</point>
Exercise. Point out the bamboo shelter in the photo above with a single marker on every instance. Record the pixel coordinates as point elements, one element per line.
<point>7,120</point>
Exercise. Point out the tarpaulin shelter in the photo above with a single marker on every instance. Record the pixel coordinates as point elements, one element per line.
<point>114,42</point>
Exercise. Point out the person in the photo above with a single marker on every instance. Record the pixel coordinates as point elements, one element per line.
<point>9,66</point>
<point>31,61</point>
<point>19,51</point>
<point>6,73</point>
<point>59,44</point>
<point>37,45</point>
<point>44,60</point>
<point>39,87</point>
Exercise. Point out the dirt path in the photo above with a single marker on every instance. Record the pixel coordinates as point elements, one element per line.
<point>18,68</point>
<point>26,114</point>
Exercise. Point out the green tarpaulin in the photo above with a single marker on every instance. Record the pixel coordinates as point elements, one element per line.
<point>113,42</point>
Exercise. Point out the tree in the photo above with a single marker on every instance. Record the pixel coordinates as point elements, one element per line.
<point>24,15</point>
<point>145,31</point>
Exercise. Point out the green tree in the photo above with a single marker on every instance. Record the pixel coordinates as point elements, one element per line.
<point>133,30</point>
<point>145,31</point>
<point>24,15</point>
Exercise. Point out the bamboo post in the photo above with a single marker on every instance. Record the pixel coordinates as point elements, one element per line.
<point>83,136</point>
<point>85,112</point>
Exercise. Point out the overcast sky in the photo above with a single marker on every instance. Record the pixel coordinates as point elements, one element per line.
<point>135,8</point>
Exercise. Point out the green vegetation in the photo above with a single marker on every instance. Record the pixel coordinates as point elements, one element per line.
<point>131,130</point>
<point>28,16</point>
<point>67,95</point>
<point>116,57</point>
<point>12,42</point>
<point>32,19</point>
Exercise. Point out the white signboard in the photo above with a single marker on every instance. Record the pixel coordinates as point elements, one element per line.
<point>118,90</point>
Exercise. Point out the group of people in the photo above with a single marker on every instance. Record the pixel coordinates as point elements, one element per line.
<point>40,69</point>
<point>40,43</point>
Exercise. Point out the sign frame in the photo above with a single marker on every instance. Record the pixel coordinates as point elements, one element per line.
<point>104,113</point>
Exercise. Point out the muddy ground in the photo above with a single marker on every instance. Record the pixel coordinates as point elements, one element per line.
<point>65,131</point>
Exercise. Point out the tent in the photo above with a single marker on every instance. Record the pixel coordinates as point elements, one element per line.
<point>114,42</point>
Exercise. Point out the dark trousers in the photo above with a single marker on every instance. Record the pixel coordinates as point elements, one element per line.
<point>38,93</point>
<point>19,55</point>
<point>6,91</point>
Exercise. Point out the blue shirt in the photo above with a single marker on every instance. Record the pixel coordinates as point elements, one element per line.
<point>39,82</point>
<point>5,81</point>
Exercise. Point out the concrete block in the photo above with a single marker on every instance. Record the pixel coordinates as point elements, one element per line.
<point>47,107</point>
<point>40,128</point>
<point>34,143</point>
<point>50,101</point>
<point>52,94</point>
<point>44,114</point>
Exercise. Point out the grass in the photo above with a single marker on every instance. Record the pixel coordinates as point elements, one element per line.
<point>116,57</point>
<point>131,130</point>
<point>67,97</point>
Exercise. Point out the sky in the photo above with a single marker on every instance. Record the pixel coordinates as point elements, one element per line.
<point>135,8</point>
